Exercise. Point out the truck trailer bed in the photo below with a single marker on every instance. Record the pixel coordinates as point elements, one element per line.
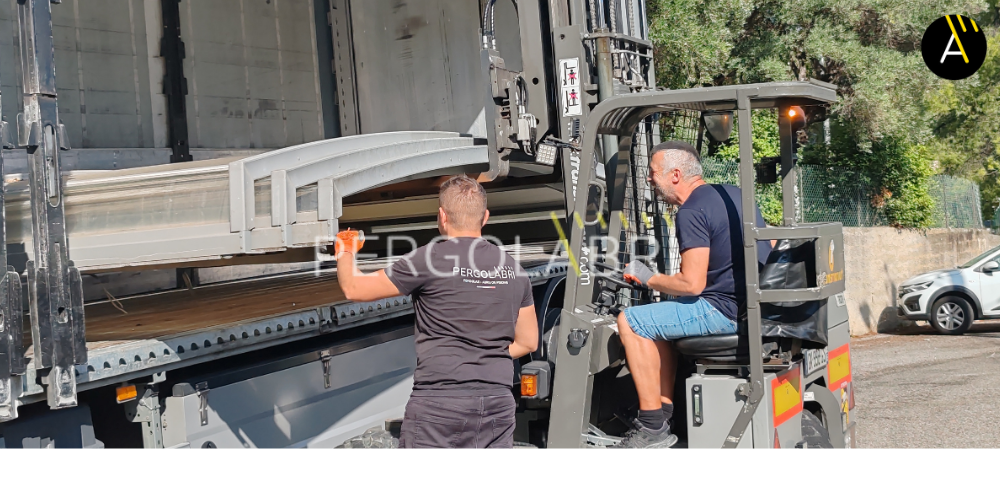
<point>148,334</point>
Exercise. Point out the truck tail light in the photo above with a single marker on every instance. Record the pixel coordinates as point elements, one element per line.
<point>126,393</point>
<point>529,385</point>
<point>536,379</point>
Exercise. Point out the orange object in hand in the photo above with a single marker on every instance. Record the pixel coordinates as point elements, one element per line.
<point>349,241</point>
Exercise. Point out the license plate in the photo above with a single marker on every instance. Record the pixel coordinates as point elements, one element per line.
<point>815,359</point>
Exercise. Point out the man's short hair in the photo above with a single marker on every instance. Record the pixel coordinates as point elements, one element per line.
<point>464,200</point>
<point>679,155</point>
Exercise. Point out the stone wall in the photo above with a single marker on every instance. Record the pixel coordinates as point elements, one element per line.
<point>878,259</point>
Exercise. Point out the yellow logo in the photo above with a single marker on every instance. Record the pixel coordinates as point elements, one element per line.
<point>834,277</point>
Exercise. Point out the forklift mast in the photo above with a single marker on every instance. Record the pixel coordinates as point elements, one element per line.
<point>574,55</point>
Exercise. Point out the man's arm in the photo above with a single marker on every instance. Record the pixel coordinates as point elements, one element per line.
<point>361,287</point>
<point>691,279</point>
<point>525,333</point>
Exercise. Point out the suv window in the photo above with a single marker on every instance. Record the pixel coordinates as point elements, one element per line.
<point>976,260</point>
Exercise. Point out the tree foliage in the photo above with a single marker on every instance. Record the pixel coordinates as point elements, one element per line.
<point>893,114</point>
<point>965,120</point>
<point>892,175</point>
<point>765,144</point>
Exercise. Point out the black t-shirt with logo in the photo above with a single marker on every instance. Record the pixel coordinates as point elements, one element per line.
<point>466,295</point>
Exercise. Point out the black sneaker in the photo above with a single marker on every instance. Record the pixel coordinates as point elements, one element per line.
<point>642,437</point>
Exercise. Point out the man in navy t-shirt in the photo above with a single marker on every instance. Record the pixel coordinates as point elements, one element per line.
<point>710,286</point>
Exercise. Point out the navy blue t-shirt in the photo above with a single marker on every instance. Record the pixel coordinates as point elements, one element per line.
<point>705,220</point>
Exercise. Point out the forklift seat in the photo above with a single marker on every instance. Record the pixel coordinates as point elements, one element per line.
<point>732,348</point>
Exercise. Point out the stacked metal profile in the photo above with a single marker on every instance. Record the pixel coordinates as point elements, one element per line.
<point>211,209</point>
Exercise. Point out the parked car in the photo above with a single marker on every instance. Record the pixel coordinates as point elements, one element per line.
<point>951,299</point>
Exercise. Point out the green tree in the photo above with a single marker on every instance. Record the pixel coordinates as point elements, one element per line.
<point>890,178</point>
<point>868,48</point>
<point>965,119</point>
<point>889,103</point>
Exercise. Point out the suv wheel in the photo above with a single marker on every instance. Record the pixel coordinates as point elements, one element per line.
<point>952,315</point>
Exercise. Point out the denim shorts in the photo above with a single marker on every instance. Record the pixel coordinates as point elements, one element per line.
<point>678,318</point>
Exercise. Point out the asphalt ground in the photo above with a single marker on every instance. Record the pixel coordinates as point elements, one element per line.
<point>920,389</point>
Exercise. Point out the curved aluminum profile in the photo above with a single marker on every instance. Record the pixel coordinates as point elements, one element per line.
<point>285,182</point>
<point>332,190</point>
<point>182,213</point>
<point>243,173</point>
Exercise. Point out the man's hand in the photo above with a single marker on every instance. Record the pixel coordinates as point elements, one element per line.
<point>691,279</point>
<point>349,241</point>
<point>525,333</point>
<point>638,273</point>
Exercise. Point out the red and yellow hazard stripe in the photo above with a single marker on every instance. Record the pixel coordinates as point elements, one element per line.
<point>838,369</point>
<point>786,395</point>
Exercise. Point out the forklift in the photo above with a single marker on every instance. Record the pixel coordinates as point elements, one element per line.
<point>784,380</point>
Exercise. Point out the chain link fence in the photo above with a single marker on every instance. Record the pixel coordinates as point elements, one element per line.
<point>828,196</point>
<point>856,201</point>
<point>957,202</point>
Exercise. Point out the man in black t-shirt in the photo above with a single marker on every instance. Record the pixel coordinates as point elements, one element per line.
<point>710,286</point>
<point>474,312</point>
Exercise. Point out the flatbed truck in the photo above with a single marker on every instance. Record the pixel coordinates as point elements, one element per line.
<point>193,304</point>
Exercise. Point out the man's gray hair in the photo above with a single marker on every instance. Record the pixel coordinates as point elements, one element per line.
<point>679,155</point>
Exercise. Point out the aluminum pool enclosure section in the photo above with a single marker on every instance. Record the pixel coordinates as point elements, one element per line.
<point>211,209</point>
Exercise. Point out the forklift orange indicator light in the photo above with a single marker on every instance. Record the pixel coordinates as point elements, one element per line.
<point>127,393</point>
<point>529,385</point>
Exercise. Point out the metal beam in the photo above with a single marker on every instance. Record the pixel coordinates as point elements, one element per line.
<point>12,362</point>
<point>755,387</point>
<point>789,172</point>
<point>55,291</point>
<point>174,83</point>
<point>343,62</point>
<point>534,63</point>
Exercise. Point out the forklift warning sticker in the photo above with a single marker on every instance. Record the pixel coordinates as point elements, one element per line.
<point>569,83</point>
<point>839,367</point>
<point>786,395</point>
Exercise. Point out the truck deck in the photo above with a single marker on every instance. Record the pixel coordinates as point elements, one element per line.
<point>149,334</point>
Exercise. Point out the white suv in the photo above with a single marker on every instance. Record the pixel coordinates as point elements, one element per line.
<point>952,299</point>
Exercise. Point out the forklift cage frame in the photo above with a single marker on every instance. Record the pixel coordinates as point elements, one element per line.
<point>618,117</point>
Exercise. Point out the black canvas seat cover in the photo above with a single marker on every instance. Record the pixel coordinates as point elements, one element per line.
<point>791,265</point>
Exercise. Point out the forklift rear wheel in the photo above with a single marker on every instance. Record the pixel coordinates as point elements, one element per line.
<point>951,315</point>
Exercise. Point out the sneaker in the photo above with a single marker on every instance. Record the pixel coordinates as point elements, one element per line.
<point>642,437</point>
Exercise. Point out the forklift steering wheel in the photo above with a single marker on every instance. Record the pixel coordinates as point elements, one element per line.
<point>616,277</point>
<point>621,282</point>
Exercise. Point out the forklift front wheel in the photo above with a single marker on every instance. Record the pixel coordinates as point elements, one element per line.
<point>952,315</point>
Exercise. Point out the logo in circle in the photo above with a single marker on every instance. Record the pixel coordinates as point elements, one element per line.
<point>954,47</point>
<point>831,255</point>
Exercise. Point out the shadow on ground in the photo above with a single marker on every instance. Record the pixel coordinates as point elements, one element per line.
<point>988,329</point>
